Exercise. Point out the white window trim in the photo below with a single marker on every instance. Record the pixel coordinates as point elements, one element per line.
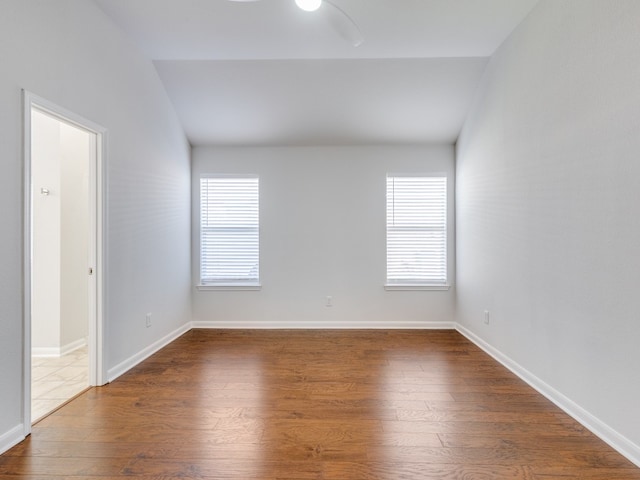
<point>426,286</point>
<point>229,287</point>
<point>222,285</point>
<point>408,287</point>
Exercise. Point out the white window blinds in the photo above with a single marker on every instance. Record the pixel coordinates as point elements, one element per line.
<point>416,230</point>
<point>229,231</point>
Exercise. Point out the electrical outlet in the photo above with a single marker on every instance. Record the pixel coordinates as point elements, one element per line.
<point>148,320</point>
<point>329,301</point>
<point>486,317</point>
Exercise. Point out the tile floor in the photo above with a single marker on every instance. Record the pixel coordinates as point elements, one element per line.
<point>56,380</point>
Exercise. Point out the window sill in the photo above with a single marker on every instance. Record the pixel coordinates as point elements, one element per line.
<point>396,287</point>
<point>229,287</point>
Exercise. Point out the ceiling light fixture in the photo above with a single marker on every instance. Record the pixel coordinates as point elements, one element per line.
<point>309,5</point>
<point>340,20</point>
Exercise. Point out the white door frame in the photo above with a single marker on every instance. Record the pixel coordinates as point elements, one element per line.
<point>97,292</point>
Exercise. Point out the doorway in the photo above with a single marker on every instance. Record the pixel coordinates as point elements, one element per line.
<point>63,252</point>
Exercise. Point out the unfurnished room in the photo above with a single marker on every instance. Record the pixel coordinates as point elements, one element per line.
<point>319,239</point>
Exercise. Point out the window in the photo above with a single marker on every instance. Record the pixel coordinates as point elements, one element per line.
<point>416,231</point>
<point>229,231</point>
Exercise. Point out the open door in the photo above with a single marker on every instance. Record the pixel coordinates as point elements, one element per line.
<point>63,257</point>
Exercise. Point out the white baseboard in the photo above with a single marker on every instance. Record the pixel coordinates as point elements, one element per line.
<point>49,352</point>
<point>70,347</point>
<point>617,441</point>
<point>45,352</point>
<point>324,325</point>
<point>131,362</point>
<point>11,438</point>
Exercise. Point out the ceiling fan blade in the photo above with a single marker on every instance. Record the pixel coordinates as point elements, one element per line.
<point>342,23</point>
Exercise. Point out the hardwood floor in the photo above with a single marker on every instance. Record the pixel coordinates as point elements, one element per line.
<point>314,405</point>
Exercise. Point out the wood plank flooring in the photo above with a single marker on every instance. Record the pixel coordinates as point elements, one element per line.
<point>299,404</point>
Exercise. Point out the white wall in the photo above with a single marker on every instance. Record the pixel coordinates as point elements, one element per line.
<point>548,208</point>
<point>322,216</point>
<point>70,53</point>
<point>75,159</point>
<point>45,275</point>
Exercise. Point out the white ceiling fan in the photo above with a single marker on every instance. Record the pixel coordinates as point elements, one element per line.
<point>341,22</point>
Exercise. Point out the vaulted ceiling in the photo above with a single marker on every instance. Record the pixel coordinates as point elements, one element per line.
<point>268,73</point>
